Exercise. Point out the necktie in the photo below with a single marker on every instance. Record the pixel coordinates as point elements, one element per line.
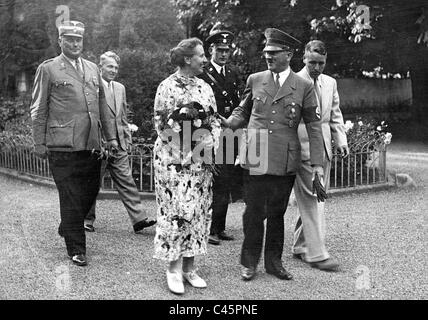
<point>318,92</point>
<point>277,83</point>
<point>222,72</point>
<point>78,68</point>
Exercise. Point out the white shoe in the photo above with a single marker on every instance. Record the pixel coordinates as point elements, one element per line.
<point>195,280</point>
<point>175,282</point>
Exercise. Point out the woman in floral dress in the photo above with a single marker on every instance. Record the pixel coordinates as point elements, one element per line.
<point>183,187</point>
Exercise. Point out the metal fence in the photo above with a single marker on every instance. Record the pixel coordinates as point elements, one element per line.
<point>366,167</point>
<point>23,160</point>
<point>360,168</point>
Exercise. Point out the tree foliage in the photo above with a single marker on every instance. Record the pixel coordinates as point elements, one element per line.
<point>393,38</point>
<point>141,32</point>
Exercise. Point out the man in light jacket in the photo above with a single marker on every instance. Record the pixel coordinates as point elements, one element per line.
<point>309,235</point>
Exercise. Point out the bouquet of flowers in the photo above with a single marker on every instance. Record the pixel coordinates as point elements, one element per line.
<point>194,129</point>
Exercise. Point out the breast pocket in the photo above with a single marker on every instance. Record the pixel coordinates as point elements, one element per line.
<point>64,88</point>
<point>259,102</point>
<point>60,134</point>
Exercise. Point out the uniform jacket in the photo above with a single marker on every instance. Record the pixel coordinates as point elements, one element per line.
<point>65,108</point>
<point>115,116</point>
<point>331,116</point>
<point>227,97</point>
<point>273,117</point>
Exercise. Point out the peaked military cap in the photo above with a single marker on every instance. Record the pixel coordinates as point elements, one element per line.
<point>221,37</point>
<point>71,28</point>
<point>277,40</point>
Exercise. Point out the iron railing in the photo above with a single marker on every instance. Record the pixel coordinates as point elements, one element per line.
<point>23,160</point>
<point>364,167</point>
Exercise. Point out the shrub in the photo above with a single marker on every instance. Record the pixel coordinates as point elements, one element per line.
<point>141,72</point>
<point>15,123</point>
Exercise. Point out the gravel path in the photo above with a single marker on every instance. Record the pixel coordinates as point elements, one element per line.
<point>379,238</point>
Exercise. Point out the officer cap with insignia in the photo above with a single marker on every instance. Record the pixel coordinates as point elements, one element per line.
<point>277,40</point>
<point>220,37</point>
<point>71,28</point>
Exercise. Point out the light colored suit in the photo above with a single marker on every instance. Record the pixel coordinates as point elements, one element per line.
<point>115,118</point>
<point>116,115</point>
<point>309,233</point>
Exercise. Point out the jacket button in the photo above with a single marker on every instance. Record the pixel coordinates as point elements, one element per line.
<point>270,131</point>
<point>274,111</point>
<point>272,121</point>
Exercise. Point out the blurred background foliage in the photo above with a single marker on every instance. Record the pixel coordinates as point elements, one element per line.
<point>391,38</point>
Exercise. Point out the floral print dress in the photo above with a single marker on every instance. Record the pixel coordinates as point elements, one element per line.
<point>183,192</point>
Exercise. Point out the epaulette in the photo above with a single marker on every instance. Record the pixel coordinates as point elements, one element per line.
<point>47,61</point>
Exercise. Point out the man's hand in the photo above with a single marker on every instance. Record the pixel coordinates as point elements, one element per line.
<point>112,146</point>
<point>343,150</point>
<point>41,151</point>
<point>224,121</point>
<point>319,170</point>
<point>317,183</point>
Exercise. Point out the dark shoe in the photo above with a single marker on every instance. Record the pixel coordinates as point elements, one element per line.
<point>61,234</point>
<point>280,273</point>
<point>139,226</point>
<point>89,228</point>
<point>248,273</point>
<point>223,236</point>
<point>213,239</point>
<point>329,264</point>
<point>79,260</point>
<point>298,256</point>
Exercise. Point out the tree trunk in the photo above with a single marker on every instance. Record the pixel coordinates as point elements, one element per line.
<point>419,77</point>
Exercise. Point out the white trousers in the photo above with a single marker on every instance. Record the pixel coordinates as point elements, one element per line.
<point>309,232</point>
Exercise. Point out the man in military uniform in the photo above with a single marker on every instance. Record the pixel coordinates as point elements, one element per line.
<point>225,81</point>
<point>65,110</point>
<point>273,103</point>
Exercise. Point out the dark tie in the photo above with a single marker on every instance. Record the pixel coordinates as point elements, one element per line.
<point>277,83</point>
<point>318,92</point>
<point>79,68</point>
<point>222,73</point>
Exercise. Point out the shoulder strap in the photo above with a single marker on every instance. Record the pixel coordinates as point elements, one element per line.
<point>223,91</point>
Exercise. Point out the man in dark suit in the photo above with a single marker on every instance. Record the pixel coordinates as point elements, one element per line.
<point>273,103</point>
<point>118,142</point>
<point>225,82</point>
<point>65,110</point>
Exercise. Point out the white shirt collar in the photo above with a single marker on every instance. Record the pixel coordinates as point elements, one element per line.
<point>282,75</point>
<point>73,61</point>
<point>319,80</point>
<point>216,66</point>
<point>106,84</point>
